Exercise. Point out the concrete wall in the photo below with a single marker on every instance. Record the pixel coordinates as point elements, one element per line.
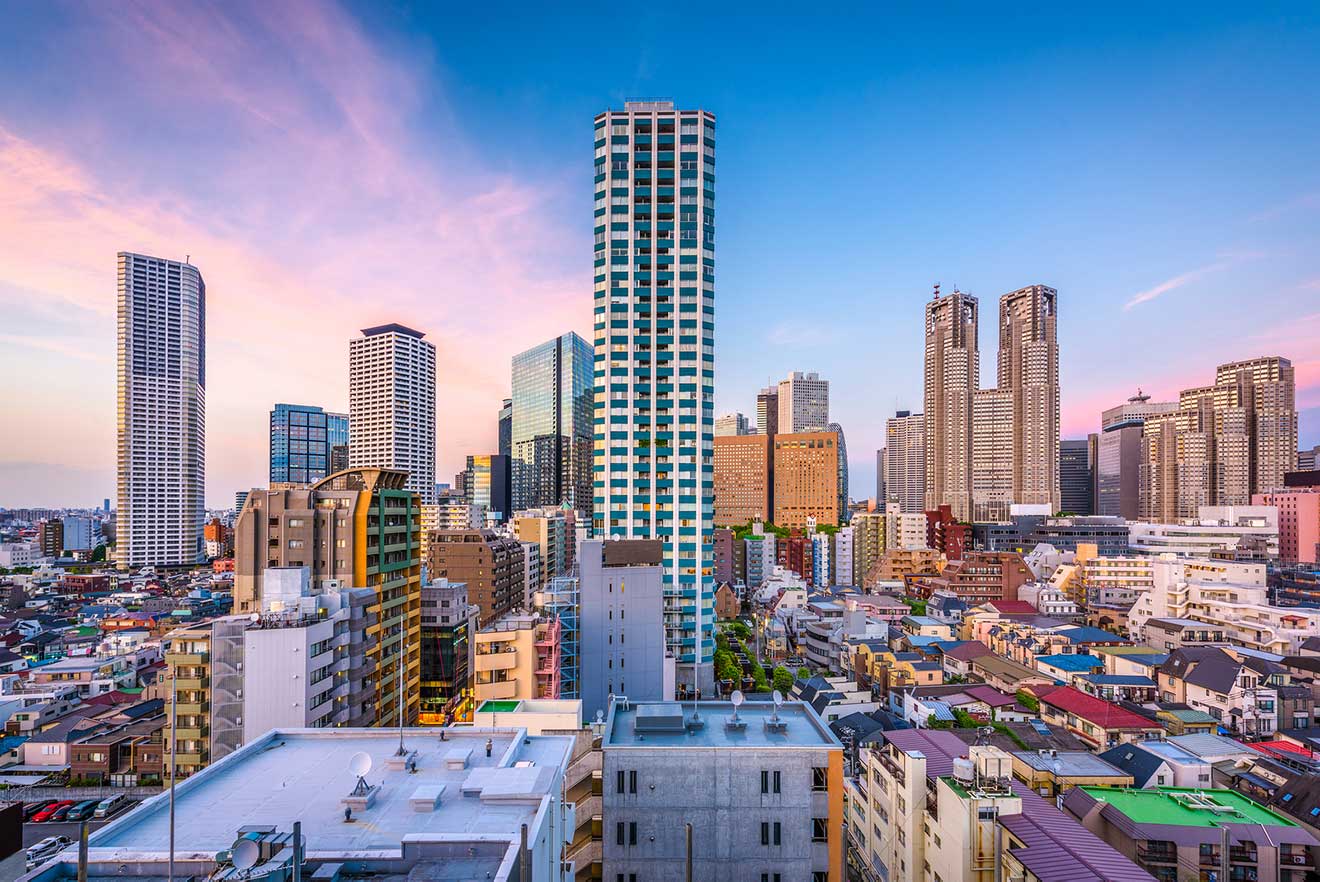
<point>622,647</point>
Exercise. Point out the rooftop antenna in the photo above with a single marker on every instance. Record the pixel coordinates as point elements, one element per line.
<point>359,764</point>
<point>402,664</point>
<point>245,854</point>
<point>937,290</point>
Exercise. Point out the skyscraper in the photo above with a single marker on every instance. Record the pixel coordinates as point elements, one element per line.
<point>506,428</point>
<point>804,403</point>
<point>302,440</point>
<point>843,471</point>
<point>391,405</point>
<point>161,412</point>
<point>905,461</point>
<point>953,374</point>
<point>553,407</point>
<point>1119,459</point>
<point>655,361</point>
<point>993,433</point>
<point>1076,477</point>
<point>731,424</point>
<point>767,411</point>
<point>880,477</point>
<point>1029,372</point>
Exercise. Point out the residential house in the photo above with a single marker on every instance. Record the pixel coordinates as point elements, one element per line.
<point>1098,723</point>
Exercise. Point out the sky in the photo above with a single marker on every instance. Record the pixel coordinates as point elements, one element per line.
<point>330,167</point>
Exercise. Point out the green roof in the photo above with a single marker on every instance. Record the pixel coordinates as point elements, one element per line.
<point>1177,806</point>
<point>498,707</point>
<point>1188,715</point>
<point>1133,649</point>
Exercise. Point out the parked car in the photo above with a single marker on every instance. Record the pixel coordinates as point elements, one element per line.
<point>63,811</point>
<point>45,850</point>
<point>33,807</point>
<point>49,811</point>
<point>111,804</point>
<point>82,811</point>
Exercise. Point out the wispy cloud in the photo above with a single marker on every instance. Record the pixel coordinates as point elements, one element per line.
<point>1174,283</point>
<point>1305,201</point>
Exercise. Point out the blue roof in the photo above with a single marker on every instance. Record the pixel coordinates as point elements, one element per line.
<point>915,640</point>
<point>1071,663</point>
<point>1117,680</point>
<point>924,621</point>
<point>940,711</point>
<point>1091,635</point>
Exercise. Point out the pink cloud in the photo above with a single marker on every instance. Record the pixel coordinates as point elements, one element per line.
<point>318,207</point>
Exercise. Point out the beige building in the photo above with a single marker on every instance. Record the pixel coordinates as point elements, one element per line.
<point>504,658</point>
<point>355,529</point>
<point>806,478</point>
<point>1029,373</point>
<point>952,376</point>
<point>869,542</point>
<point>743,476</point>
<point>1224,443</point>
<point>904,461</point>
<point>552,531</point>
<point>993,440</point>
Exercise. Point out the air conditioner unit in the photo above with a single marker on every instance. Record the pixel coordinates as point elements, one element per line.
<point>1299,859</point>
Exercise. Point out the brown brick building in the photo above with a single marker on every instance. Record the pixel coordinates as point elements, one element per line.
<point>491,565</point>
<point>980,576</point>
<point>806,478</point>
<point>743,478</point>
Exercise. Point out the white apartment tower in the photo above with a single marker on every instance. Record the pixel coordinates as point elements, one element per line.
<point>654,303</point>
<point>904,461</point>
<point>804,403</point>
<point>391,405</point>
<point>953,374</point>
<point>161,412</point>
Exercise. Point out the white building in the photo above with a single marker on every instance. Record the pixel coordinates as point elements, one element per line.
<point>161,474</point>
<point>904,462</point>
<point>19,554</point>
<point>81,533</point>
<point>391,405</point>
<point>844,560</point>
<point>804,403</point>
<point>732,424</point>
<point>1216,528</point>
<point>904,530</point>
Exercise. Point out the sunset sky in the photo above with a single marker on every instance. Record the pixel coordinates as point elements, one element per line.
<point>331,167</point>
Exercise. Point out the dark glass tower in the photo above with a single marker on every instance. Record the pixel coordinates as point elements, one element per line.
<point>553,407</point>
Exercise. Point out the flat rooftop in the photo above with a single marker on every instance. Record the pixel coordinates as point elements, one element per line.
<point>302,774</point>
<point>1070,763</point>
<point>662,725</point>
<point>1177,806</point>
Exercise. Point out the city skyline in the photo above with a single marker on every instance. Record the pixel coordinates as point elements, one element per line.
<point>439,222</point>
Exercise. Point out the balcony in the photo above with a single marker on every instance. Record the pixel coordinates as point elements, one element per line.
<point>197,708</point>
<point>496,661</point>
<point>1157,855</point>
<point>1242,855</point>
<point>192,683</point>
<point>187,658</point>
<point>193,733</point>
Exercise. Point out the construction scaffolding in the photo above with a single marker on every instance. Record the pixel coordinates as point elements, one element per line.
<point>559,601</point>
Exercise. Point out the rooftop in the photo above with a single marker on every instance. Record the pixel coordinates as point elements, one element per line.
<point>392,328</point>
<point>663,725</point>
<point>1186,807</point>
<point>1070,763</point>
<point>1102,713</point>
<point>1071,662</point>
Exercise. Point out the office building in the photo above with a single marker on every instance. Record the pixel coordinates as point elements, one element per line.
<point>488,485</point>
<point>744,479</point>
<point>952,376</point>
<point>767,411</point>
<point>553,409</point>
<point>1308,460</point>
<point>1224,443</point>
<point>806,479</point>
<point>553,532</point>
<point>760,787</point>
<point>491,565</point>
<point>161,477</point>
<point>622,648</point>
<point>731,424</point>
<point>50,537</point>
<point>448,625</point>
<point>1022,533</point>
<point>302,440</point>
<point>905,462</point>
<point>654,388</point>
<point>993,439</point>
<point>844,507</point>
<point>1029,373</point>
<point>804,403</point>
<point>1298,519</point>
<point>1118,460</point>
<point>354,529</point>
<point>391,405</point>
<point>81,533</point>
<point>1076,477</point>
<point>1216,529</point>
<point>240,499</point>
<point>504,428</point>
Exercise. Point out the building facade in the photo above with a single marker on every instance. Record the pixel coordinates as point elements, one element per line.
<point>744,479</point>
<point>161,475</point>
<point>1118,460</point>
<point>731,424</point>
<point>1029,372</point>
<point>391,405</point>
<point>1076,477</point>
<point>952,376</point>
<point>767,411</point>
<point>305,442</point>
<point>553,409</point>
<point>804,403</point>
<point>905,461</point>
<point>655,353</point>
<point>490,564</point>
<point>994,437</point>
<point>806,479</point>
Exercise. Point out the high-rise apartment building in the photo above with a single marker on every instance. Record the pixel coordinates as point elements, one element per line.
<point>1029,372</point>
<point>491,565</point>
<point>50,537</point>
<point>804,403</point>
<point>880,477</point>
<point>161,474</point>
<point>767,411</point>
<point>952,376</point>
<point>993,433</point>
<point>303,439</point>
<point>655,354</point>
<point>905,461</point>
<point>553,409</point>
<point>391,405</point>
<point>1224,442</point>
<point>806,478</point>
<point>1076,477</point>
<point>731,424</point>
<point>1118,460</point>
<point>552,531</point>
<point>744,479</point>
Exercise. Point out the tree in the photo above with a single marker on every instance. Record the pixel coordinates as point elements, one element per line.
<point>804,673</point>
<point>759,683</point>
<point>740,630</point>
<point>783,679</point>
<point>98,554</point>
<point>1027,700</point>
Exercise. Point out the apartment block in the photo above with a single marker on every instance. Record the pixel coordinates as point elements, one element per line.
<point>490,564</point>
<point>981,576</point>
<point>552,530</point>
<point>806,479</point>
<point>744,479</point>
<point>904,461</point>
<point>391,405</point>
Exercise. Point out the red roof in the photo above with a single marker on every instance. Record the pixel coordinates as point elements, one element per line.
<point>1104,714</point>
<point>1013,607</point>
<point>1284,746</point>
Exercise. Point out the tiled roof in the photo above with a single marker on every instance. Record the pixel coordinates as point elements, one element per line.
<point>1094,710</point>
<point>1071,662</point>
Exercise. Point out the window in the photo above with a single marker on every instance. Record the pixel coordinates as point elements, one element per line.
<point>618,833</point>
<point>820,829</point>
<point>632,782</point>
<point>776,831</point>
<point>632,832</point>
<point>765,830</point>
<point>819,779</point>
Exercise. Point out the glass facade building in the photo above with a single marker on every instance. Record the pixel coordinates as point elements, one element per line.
<point>654,324</point>
<point>306,443</point>
<point>553,406</point>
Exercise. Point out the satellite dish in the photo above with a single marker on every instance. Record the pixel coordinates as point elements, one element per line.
<point>600,715</point>
<point>360,763</point>
<point>736,699</point>
<point>778,698</point>
<point>255,617</point>
<point>245,855</point>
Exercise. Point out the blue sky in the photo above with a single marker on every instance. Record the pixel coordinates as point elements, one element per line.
<point>1156,166</point>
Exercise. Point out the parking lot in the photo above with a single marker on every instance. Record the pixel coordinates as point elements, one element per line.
<point>34,832</point>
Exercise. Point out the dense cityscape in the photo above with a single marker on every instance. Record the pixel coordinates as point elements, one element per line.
<point>639,639</point>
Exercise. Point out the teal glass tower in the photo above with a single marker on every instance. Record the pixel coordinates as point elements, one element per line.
<point>655,356</point>
<point>551,445</point>
<point>306,443</point>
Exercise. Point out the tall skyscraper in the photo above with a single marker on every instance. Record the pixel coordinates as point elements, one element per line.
<point>993,434</point>
<point>843,471</point>
<point>744,479</point>
<point>953,374</point>
<point>506,427</point>
<point>391,405</point>
<point>1076,476</point>
<point>161,480</point>
<point>1029,372</point>
<point>767,411</point>
<point>731,424</point>
<point>655,275</point>
<point>804,403</point>
<point>489,485</point>
<point>1118,461</point>
<point>553,408</point>
<point>880,477</point>
<point>303,439</point>
<point>905,461</point>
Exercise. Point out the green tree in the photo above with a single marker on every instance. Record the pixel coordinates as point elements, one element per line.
<point>1027,700</point>
<point>783,679</point>
<point>759,683</point>
<point>804,673</point>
